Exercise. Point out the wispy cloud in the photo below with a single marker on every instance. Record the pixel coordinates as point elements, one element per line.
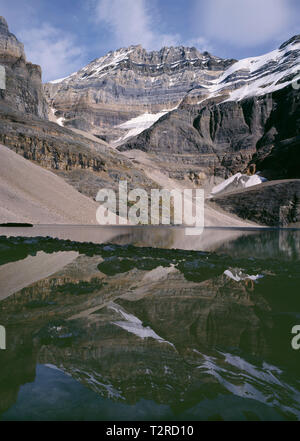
<point>133,22</point>
<point>244,23</point>
<point>201,43</point>
<point>55,50</point>
<point>64,36</point>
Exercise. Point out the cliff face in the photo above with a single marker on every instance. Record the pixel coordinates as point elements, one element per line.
<point>87,165</point>
<point>215,140</point>
<point>223,139</point>
<point>24,91</point>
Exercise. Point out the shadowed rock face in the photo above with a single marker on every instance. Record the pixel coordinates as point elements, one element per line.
<point>24,90</point>
<point>215,140</point>
<point>275,203</point>
<point>223,139</point>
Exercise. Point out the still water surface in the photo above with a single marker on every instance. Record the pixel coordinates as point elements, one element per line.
<point>148,324</point>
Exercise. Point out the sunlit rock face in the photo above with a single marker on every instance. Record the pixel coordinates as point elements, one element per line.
<point>129,82</point>
<point>10,47</point>
<point>23,91</point>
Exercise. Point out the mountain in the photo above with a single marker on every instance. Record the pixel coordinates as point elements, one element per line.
<point>84,162</point>
<point>170,118</point>
<point>130,82</point>
<point>198,115</point>
<point>247,119</point>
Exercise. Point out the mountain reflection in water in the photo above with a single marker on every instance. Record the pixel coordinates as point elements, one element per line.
<point>144,326</point>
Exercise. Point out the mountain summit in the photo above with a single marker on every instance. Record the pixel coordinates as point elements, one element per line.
<point>130,82</point>
<point>131,88</point>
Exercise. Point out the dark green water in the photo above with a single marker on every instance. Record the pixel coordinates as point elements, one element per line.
<point>137,330</point>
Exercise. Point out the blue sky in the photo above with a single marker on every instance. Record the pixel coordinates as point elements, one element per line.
<point>64,35</point>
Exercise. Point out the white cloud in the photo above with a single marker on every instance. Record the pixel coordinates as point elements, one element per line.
<point>55,50</point>
<point>244,23</point>
<point>132,22</point>
<point>201,43</point>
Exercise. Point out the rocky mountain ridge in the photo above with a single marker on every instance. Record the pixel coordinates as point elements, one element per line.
<point>223,139</point>
<point>198,116</point>
<point>132,88</point>
<point>127,83</point>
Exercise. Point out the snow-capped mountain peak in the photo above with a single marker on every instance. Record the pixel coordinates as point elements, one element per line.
<point>259,75</point>
<point>131,83</point>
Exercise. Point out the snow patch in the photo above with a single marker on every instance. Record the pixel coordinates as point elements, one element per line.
<point>238,181</point>
<point>134,325</point>
<point>137,125</point>
<point>260,75</point>
<point>60,80</point>
<point>238,275</point>
<point>60,121</point>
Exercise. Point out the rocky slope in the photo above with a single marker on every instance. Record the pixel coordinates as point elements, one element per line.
<point>87,165</point>
<point>31,194</point>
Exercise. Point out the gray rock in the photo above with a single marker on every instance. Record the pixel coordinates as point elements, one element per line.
<point>128,82</point>
<point>24,91</point>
